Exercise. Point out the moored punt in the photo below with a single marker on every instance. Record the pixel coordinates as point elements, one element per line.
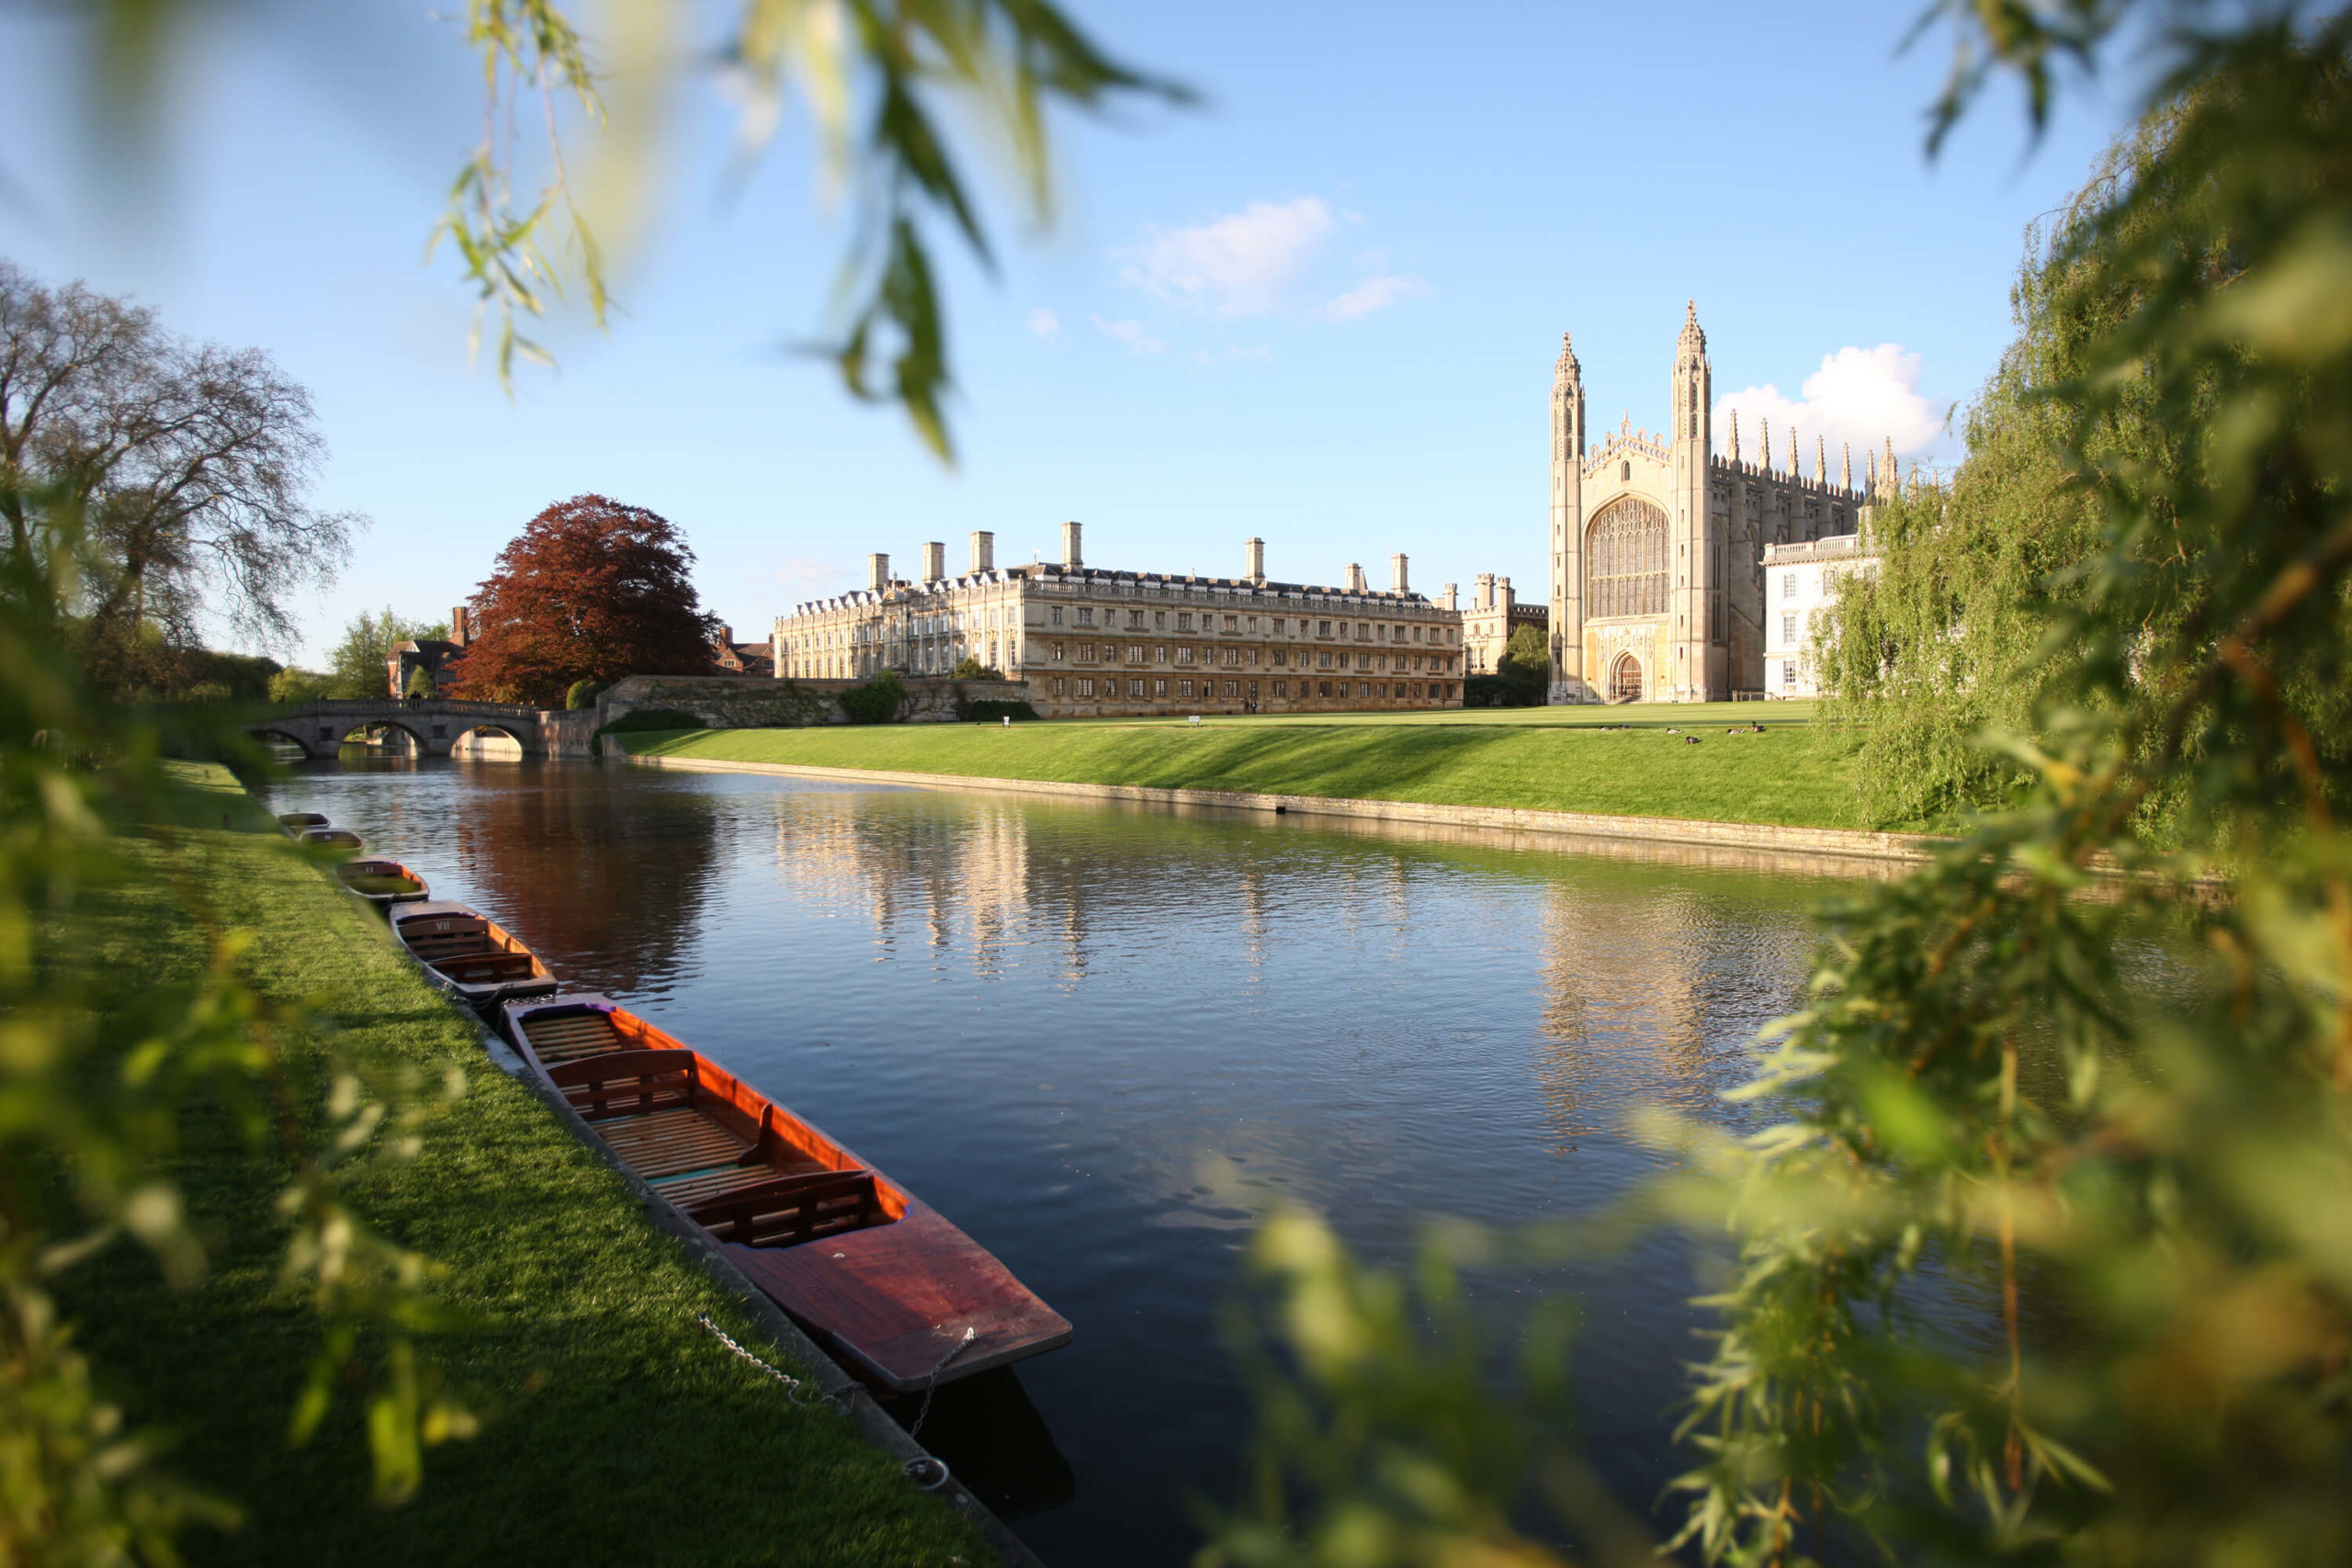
<point>902,1292</point>
<point>469,955</point>
<point>295,822</point>
<point>382,882</point>
<point>341,837</point>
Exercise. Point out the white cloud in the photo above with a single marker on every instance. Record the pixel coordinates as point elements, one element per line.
<point>1860,397</point>
<point>1374,294</point>
<point>1044,323</point>
<point>1234,266</point>
<point>1135,335</point>
<point>806,577</point>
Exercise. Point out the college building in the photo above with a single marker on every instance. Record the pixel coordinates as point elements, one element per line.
<point>1495,614</point>
<point>1090,641</point>
<point>1658,544</point>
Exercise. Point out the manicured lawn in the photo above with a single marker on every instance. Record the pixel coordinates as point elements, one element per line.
<point>1554,759</point>
<point>614,1429</point>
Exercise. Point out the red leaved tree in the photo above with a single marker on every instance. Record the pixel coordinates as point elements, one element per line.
<point>590,591</point>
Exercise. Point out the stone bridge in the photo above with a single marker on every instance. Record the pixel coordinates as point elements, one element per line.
<point>432,725</point>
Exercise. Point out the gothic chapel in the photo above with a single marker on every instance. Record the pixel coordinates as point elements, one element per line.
<point>1658,544</point>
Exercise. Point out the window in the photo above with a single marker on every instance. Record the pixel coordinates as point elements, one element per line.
<point>1327,688</point>
<point>1183,621</point>
<point>1184,690</point>
<point>1279,655</point>
<point>1054,614</point>
<point>1788,585</point>
<point>1282,629</point>
<point>1184,654</point>
<point>1086,688</point>
<point>1364,632</point>
<point>1281,690</point>
<point>1160,689</point>
<point>1625,560</point>
<point>1085,652</point>
<point>1085,616</point>
<point>1058,685</point>
<point>1326,659</point>
<point>1381,689</point>
<point>1322,629</point>
<point>1058,652</point>
<point>1159,620</point>
<point>1625,472</point>
<point>1232,689</point>
<point>1232,624</point>
<point>1160,655</point>
<point>1134,688</point>
<point>1135,617</point>
<point>1788,627</point>
<point>1134,653</point>
<point>1788,672</point>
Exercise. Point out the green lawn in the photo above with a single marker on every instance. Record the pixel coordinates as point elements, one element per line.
<point>1554,759</point>
<point>614,1431</point>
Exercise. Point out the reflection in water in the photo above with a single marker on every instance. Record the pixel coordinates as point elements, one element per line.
<point>1051,1019</point>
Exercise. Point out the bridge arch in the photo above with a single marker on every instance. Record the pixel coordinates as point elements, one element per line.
<point>434,726</point>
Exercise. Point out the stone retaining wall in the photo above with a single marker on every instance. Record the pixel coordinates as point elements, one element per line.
<point>1746,836</point>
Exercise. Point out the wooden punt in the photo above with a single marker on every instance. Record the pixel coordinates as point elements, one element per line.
<point>906,1297</point>
<point>469,956</point>
<point>341,837</point>
<point>294,822</point>
<point>382,883</point>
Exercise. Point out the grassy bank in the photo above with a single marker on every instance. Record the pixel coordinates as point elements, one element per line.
<point>614,1429</point>
<point>1617,761</point>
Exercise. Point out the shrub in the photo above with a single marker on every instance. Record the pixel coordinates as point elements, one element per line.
<point>971,669</point>
<point>583,695</point>
<point>988,710</point>
<point>420,682</point>
<point>877,702</point>
<point>297,687</point>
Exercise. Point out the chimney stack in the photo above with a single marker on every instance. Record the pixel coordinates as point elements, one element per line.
<point>1397,578</point>
<point>1253,559</point>
<point>1483,597</point>
<point>934,561</point>
<point>1355,577</point>
<point>877,571</point>
<point>983,551</point>
<point>1505,597</point>
<point>461,631</point>
<point>1071,559</point>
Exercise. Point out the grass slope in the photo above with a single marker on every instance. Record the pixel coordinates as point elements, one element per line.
<point>614,1431</point>
<point>1551,759</point>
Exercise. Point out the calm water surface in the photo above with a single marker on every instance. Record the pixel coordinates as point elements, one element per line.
<point>1102,1040</point>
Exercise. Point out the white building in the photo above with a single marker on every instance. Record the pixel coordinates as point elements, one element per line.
<point>1097,643</point>
<point>1801,582</point>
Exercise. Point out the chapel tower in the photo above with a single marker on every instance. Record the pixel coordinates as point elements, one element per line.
<point>1567,522</point>
<point>1697,670</point>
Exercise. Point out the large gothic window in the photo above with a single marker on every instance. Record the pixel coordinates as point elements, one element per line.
<point>1625,560</point>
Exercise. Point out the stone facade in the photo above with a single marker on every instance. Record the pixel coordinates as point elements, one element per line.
<point>1085,641</point>
<point>1658,544</point>
<point>1495,614</point>
<point>1801,582</point>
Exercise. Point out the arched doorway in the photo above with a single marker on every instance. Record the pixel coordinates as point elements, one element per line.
<point>1626,679</point>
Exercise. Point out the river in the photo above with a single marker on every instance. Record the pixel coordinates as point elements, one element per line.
<point>1103,1039</point>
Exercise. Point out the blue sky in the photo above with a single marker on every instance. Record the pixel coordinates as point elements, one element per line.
<point>1322,307</point>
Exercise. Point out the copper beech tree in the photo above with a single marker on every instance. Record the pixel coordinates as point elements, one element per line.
<point>593,589</point>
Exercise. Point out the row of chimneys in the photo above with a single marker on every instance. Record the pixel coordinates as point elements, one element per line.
<point>934,562</point>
